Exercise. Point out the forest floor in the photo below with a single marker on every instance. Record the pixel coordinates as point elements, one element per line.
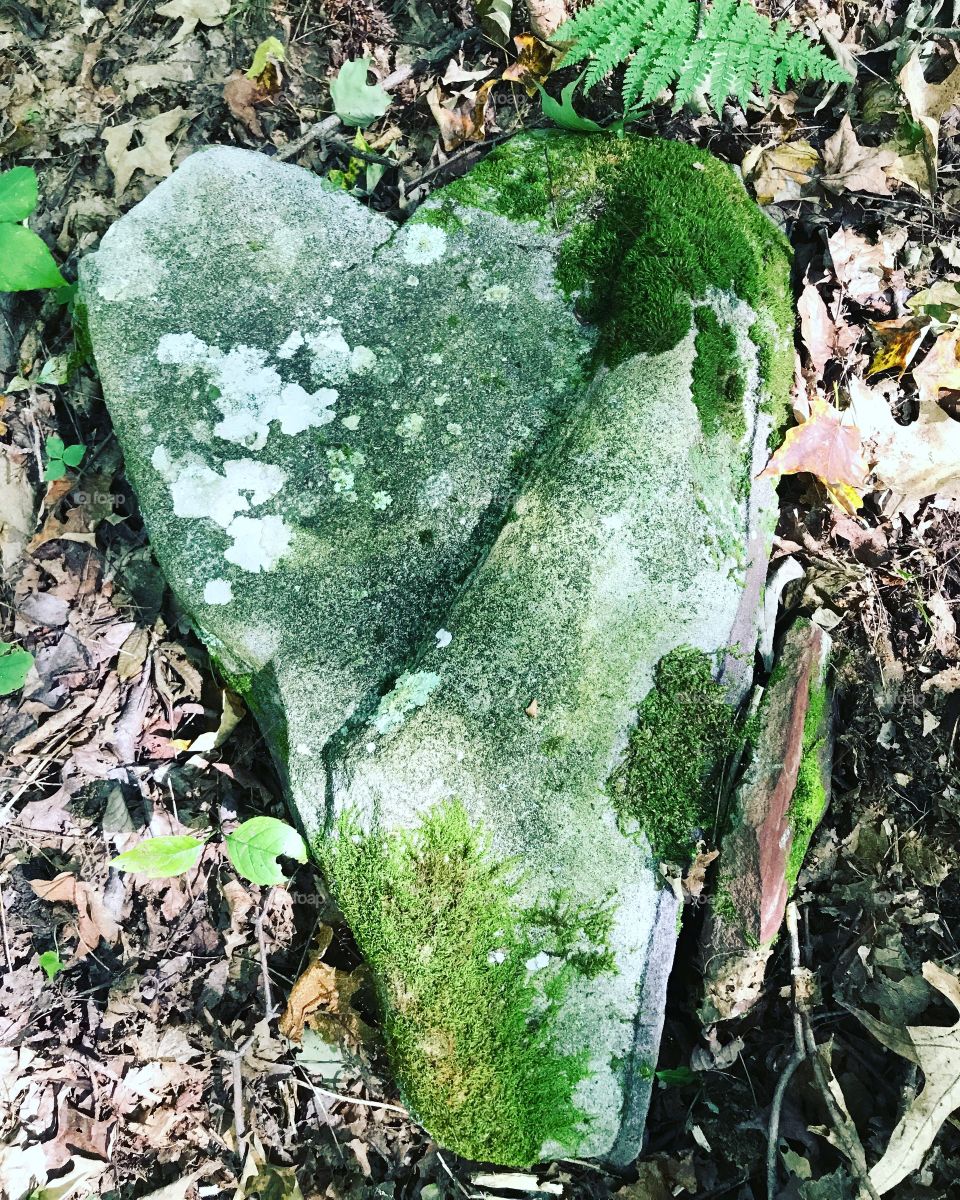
<point>146,1060</point>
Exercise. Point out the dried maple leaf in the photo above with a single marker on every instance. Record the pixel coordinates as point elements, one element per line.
<point>914,461</point>
<point>320,997</point>
<point>896,343</point>
<point>825,335</point>
<point>778,173</point>
<point>827,446</point>
<point>241,94</point>
<point>850,167</point>
<point>862,266</point>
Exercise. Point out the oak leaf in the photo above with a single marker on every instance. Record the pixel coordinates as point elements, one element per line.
<point>928,103</point>
<point>779,173</point>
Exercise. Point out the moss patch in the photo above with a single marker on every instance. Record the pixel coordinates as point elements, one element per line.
<point>650,225</point>
<point>718,384</point>
<point>684,732</point>
<point>435,915</point>
<point>809,796</point>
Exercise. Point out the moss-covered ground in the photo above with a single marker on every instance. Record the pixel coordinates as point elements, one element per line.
<point>809,796</point>
<point>435,915</point>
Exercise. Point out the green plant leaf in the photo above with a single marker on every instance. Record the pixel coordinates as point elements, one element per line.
<point>56,469</point>
<point>25,261</point>
<point>495,17</point>
<point>253,848</point>
<point>357,102</point>
<point>270,47</point>
<point>73,455</point>
<point>14,667</point>
<point>677,1076</point>
<point>54,446</point>
<point>51,962</point>
<point>18,193</point>
<point>161,857</point>
<point>563,114</point>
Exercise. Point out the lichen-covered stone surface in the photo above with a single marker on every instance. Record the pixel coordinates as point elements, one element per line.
<point>776,809</point>
<point>443,500</point>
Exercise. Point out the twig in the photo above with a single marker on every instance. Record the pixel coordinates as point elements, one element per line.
<point>3,926</point>
<point>359,1100</point>
<point>264,963</point>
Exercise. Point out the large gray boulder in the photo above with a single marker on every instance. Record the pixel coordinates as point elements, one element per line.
<point>446,501</point>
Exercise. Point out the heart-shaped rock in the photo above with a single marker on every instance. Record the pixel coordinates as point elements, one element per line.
<point>441,498</point>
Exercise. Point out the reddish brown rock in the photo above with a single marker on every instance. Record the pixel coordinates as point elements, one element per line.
<point>776,808</point>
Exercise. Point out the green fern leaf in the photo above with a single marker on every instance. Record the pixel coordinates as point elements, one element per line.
<point>728,49</point>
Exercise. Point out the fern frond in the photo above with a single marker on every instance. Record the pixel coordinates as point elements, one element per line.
<point>732,50</point>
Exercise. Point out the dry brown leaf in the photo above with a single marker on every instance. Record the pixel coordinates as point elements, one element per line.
<point>896,343</point>
<point>533,63</point>
<point>464,123</point>
<point>936,1050</point>
<point>779,173</point>
<point>322,990</point>
<point>862,266</point>
<point>914,461</point>
<point>828,445</point>
<point>929,102</point>
<point>546,16</point>
<point>696,876</point>
<point>825,335</point>
<point>93,920</point>
<point>241,94</point>
<point>192,12</point>
<point>850,167</point>
<point>153,156</point>
<point>940,370</point>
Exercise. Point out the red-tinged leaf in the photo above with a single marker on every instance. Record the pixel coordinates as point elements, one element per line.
<point>824,446</point>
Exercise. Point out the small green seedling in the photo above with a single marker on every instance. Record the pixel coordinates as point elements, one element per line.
<point>15,665</point>
<point>25,261</point>
<point>252,848</point>
<point>52,963</point>
<point>355,101</point>
<point>270,49</point>
<point>562,113</point>
<point>61,456</point>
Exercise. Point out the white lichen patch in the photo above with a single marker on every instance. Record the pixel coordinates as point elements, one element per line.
<point>218,591</point>
<point>343,464</point>
<point>381,501</point>
<point>499,293</point>
<point>444,638</point>
<point>352,422</point>
<point>410,427</point>
<point>258,542</point>
<point>410,692</point>
<point>248,392</point>
<point>362,360</point>
<point>422,244</point>
<point>330,353</point>
<point>200,492</point>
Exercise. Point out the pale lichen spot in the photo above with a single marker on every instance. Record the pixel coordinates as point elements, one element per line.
<point>362,360</point>
<point>134,275</point>
<point>410,692</point>
<point>422,244</point>
<point>218,591</point>
<point>381,501</point>
<point>410,427</point>
<point>435,360</point>
<point>197,490</point>
<point>351,422</point>
<point>444,638</point>
<point>258,542</point>
<point>442,399</point>
<point>538,962</point>
<point>291,345</point>
<point>499,293</point>
<point>455,428</point>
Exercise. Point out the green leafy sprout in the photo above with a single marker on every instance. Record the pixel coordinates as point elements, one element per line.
<point>52,963</point>
<point>355,101</point>
<point>59,457</point>
<point>252,848</point>
<point>15,665</point>
<point>25,262</point>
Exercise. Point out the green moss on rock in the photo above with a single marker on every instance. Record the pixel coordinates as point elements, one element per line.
<point>467,1022</point>
<point>684,732</point>
<point>650,226</point>
<point>809,796</point>
<point>718,383</point>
